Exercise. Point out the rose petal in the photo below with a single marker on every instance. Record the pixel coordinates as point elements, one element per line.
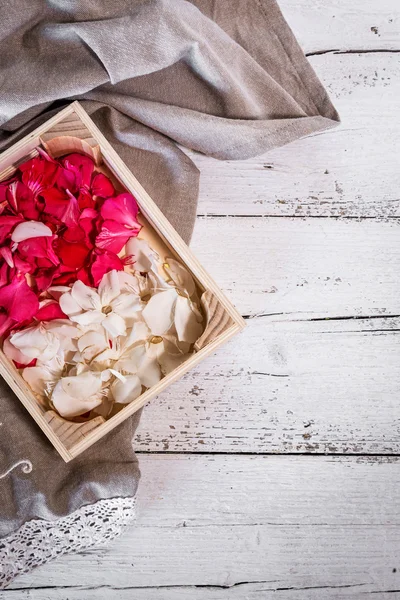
<point>15,354</point>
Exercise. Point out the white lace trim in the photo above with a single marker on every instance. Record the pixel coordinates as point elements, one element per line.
<point>39,541</point>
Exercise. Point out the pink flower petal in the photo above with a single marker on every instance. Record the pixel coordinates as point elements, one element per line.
<point>102,186</point>
<point>113,236</point>
<point>104,262</point>
<point>123,209</point>
<point>18,303</point>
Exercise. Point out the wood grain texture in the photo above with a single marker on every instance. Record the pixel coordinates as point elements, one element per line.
<point>349,171</point>
<point>217,320</point>
<point>70,433</point>
<point>342,26</point>
<point>283,386</point>
<point>303,268</point>
<point>284,524</point>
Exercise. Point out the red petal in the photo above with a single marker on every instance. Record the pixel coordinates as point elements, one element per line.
<point>72,255</point>
<point>72,213</point>
<point>56,202</point>
<point>102,186</point>
<point>113,236</point>
<point>7,223</point>
<point>5,274</point>
<point>39,247</point>
<point>22,366</point>
<point>85,199</point>
<point>103,263</point>
<point>22,200</point>
<point>44,278</point>
<point>18,302</point>
<point>8,257</point>
<point>84,276</point>
<point>74,234</point>
<point>38,174</point>
<point>82,166</point>
<point>51,310</point>
<point>123,209</point>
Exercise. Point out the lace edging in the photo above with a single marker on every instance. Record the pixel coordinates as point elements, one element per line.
<point>39,541</point>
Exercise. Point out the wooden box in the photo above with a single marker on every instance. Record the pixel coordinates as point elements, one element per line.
<point>72,130</point>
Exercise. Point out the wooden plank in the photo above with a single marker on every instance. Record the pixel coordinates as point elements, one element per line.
<point>303,268</point>
<point>304,525</point>
<point>241,591</point>
<point>347,171</point>
<point>342,25</point>
<point>281,386</point>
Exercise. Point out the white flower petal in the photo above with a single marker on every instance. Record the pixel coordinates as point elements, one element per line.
<point>125,392</point>
<point>92,343</point>
<point>30,229</point>
<point>109,287</point>
<point>158,312</point>
<point>180,276</point>
<point>40,379</point>
<point>86,297</point>
<point>114,324</point>
<point>126,305</point>
<point>129,282</point>
<point>14,353</point>
<point>149,371</point>
<point>36,342</point>
<point>88,318</point>
<point>142,254</point>
<point>187,326</point>
<point>68,405</point>
<point>69,305</point>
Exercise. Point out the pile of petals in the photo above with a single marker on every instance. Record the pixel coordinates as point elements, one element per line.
<point>87,311</point>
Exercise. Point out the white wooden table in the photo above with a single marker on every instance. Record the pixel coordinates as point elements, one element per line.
<point>272,471</point>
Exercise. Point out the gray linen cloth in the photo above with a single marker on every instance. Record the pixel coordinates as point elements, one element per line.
<point>225,78</point>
